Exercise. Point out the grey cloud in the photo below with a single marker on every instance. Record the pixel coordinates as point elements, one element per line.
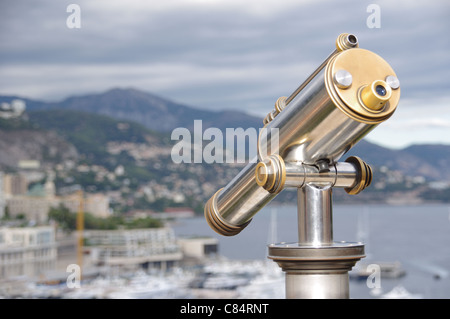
<point>227,55</point>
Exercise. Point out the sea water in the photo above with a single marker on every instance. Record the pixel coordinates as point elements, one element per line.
<point>416,236</point>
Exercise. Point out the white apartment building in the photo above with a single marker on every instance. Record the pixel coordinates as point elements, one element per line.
<point>27,251</point>
<point>132,248</point>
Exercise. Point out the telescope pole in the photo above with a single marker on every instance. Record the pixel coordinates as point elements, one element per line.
<point>314,209</point>
<point>316,267</point>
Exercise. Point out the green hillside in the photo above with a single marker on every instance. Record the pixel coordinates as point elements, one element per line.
<point>90,133</point>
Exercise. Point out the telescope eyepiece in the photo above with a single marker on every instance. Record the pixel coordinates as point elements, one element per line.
<point>381,90</point>
<point>375,95</point>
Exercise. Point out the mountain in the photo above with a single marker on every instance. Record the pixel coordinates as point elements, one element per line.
<point>425,160</point>
<point>55,136</point>
<point>154,112</point>
<point>162,115</point>
<point>90,133</point>
<point>21,141</point>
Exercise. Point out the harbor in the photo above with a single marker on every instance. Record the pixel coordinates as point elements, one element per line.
<point>232,271</point>
<point>220,279</point>
<point>215,280</point>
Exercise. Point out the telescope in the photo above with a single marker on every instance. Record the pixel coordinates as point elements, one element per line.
<point>299,146</point>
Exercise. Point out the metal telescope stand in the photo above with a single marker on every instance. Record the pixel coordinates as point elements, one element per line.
<point>347,96</point>
<point>316,266</point>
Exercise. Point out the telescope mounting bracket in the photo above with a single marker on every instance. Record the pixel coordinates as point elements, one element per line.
<point>315,266</point>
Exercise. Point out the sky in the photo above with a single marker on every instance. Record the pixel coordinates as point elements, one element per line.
<point>227,54</point>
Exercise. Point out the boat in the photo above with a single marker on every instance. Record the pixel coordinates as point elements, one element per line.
<point>265,286</point>
<point>400,292</point>
<point>387,270</point>
<point>224,282</point>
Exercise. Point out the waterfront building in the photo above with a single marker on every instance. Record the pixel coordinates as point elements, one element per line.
<point>199,248</point>
<point>27,251</point>
<point>133,248</point>
<point>179,212</point>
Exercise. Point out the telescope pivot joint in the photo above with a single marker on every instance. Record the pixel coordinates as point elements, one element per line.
<point>274,174</point>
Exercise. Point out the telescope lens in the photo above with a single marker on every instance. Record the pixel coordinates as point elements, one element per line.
<point>381,90</point>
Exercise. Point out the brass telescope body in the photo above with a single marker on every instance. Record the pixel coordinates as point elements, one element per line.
<point>344,99</point>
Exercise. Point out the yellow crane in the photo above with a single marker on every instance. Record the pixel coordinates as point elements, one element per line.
<point>80,229</point>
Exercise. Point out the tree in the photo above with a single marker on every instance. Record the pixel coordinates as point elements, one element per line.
<point>67,221</point>
<point>64,217</point>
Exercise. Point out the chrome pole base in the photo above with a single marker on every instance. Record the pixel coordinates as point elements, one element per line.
<point>317,272</point>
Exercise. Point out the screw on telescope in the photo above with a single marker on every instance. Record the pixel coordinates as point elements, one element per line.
<point>393,82</point>
<point>323,166</point>
<point>343,79</point>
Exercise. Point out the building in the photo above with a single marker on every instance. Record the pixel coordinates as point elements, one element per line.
<point>179,212</point>
<point>95,204</point>
<point>36,203</point>
<point>14,184</point>
<point>13,109</point>
<point>34,209</point>
<point>27,251</point>
<point>173,213</point>
<point>2,195</point>
<point>199,248</point>
<point>133,248</point>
